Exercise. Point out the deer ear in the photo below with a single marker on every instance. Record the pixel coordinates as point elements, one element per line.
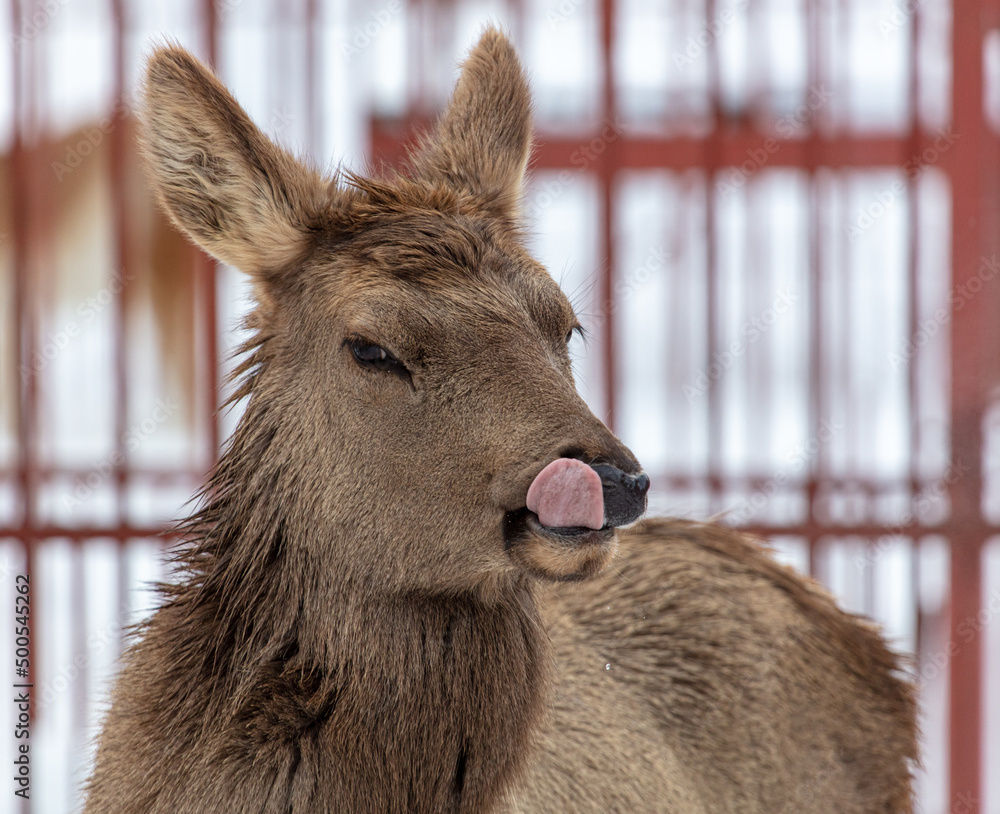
<point>234,192</point>
<point>482,141</point>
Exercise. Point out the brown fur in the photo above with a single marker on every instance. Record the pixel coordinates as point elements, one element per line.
<point>349,630</point>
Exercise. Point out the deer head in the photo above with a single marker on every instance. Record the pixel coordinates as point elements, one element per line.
<point>412,421</point>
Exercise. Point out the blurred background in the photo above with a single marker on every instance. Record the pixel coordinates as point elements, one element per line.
<point>778,220</point>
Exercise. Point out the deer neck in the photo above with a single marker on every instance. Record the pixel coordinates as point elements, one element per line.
<point>419,702</point>
<point>450,691</point>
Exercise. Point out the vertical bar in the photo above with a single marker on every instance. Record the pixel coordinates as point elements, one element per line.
<point>123,587</point>
<point>913,252</point>
<point>421,18</point>
<point>843,382</point>
<point>759,383</point>
<point>314,102</point>
<point>853,386</point>
<point>817,369</point>
<point>913,315</point>
<point>23,312</point>
<point>78,648</point>
<point>207,272</point>
<point>441,34</point>
<point>121,230</point>
<point>607,167</point>
<point>711,159</point>
<point>515,8</point>
<point>968,168</point>
<point>23,190</point>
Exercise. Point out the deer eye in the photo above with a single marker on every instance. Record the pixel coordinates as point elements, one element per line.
<point>576,329</point>
<point>376,357</point>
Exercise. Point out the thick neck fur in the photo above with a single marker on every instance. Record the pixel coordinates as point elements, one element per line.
<point>385,702</point>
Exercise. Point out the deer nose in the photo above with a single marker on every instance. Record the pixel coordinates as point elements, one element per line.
<point>624,494</point>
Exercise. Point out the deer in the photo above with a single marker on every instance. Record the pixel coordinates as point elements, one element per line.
<point>417,579</point>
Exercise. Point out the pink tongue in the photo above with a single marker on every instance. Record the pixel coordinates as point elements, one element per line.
<point>567,493</point>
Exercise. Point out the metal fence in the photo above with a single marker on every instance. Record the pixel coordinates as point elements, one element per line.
<point>777,218</point>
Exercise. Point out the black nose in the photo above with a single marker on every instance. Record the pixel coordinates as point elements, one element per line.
<point>624,495</point>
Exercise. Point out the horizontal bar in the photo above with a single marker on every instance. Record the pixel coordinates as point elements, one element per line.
<point>122,533</point>
<point>738,146</point>
<point>870,531</point>
<point>865,486</point>
<point>157,475</point>
<point>811,530</point>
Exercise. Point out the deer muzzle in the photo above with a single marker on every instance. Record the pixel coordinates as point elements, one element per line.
<point>567,528</point>
<point>624,494</point>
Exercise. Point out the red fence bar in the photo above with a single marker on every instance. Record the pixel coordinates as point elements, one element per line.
<point>23,75</point>
<point>913,245</point>
<point>710,161</point>
<point>817,379</point>
<point>124,257</point>
<point>678,152</point>
<point>120,229</point>
<point>607,179</point>
<point>208,270</point>
<point>967,167</point>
